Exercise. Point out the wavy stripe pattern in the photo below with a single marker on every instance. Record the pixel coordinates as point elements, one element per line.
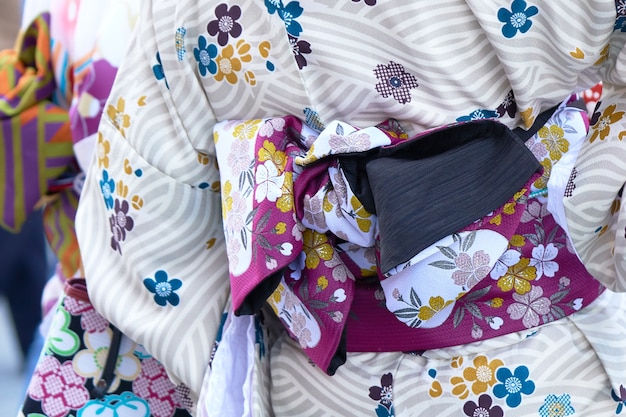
<point>560,359</point>
<point>460,61</point>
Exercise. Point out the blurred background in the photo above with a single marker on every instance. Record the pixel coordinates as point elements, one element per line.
<point>23,273</point>
<point>12,380</point>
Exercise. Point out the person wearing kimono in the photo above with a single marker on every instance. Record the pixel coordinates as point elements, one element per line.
<point>368,207</point>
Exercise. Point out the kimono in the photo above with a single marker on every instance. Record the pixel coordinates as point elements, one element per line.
<point>53,89</point>
<point>367,207</point>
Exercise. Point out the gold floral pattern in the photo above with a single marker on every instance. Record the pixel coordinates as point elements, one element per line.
<point>102,150</point>
<point>482,374</point>
<point>553,137</point>
<point>118,117</point>
<point>316,248</point>
<point>518,277</point>
<point>602,128</point>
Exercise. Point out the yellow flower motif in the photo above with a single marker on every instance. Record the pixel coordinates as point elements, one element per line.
<point>457,362</point>
<point>496,302</point>
<point>497,220</point>
<point>322,283</point>
<point>277,295</point>
<point>542,182</point>
<point>122,189</point>
<point>247,129</point>
<point>361,215</point>
<point>518,277</point>
<point>578,53</point>
<point>517,241</point>
<point>604,54</point>
<point>509,208</point>
<point>616,206</point>
<point>216,137</point>
<point>371,272</point>
<point>460,387</point>
<point>227,200</point>
<point>117,116</point>
<point>602,128</point>
<point>103,148</point>
<point>436,304</point>
<point>436,390</point>
<point>327,205</point>
<point>309,158</point>
<point>527,117</point>
<point>227,65</point>
<point>316,248</point>
<point>286,201</point>
<point>553,138</point>
<point>275,298</point>
<point>269,153</point>
<point>483,374</point>
<point>280,228</point>
<point>137,202</point>
<point>203,158</point>
<point>243,50</point>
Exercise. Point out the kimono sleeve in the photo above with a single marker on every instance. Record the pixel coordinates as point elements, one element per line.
<point>149,218</point>
<point>596,214</point>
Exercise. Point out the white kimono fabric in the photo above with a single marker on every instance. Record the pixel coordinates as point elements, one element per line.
<point>164,281</point>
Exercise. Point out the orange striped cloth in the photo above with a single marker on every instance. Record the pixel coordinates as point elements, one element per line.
<point>36,156</point>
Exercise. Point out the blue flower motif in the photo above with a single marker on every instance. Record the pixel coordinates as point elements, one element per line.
<point>620,24</point>
<point>383,411</point>
<point>513,385</point>
<point>288,14</point>
<point>158,71</point>
<point>479,114</point>
<point>163,289</point>
<point>205,54</point>
<point>516,19</point>
<point>107,187</point>
<point>273,5</point>
<point>621,399</point>
<point>557,406</point>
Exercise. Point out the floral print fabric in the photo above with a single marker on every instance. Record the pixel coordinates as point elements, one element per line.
<point>290,215</point>
<point>544,372</point>
<point>72,363</point>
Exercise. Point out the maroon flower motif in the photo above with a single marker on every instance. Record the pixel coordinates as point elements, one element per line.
<point>299,47</point>
<point>395,81</point>
<point>368,2</point>
<point>154,386</point>
<point>120,223</point>
<point>59,388</point>
<point>508,106</point>
<point>90,320</point>
<point>384,393</point>
<point>483,408</point>
<point>226,23</point>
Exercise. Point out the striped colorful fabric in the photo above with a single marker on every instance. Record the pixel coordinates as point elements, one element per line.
<point>35,137</point>
<point>59,228</point>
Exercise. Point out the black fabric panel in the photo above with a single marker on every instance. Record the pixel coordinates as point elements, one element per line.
<point>256,298</point>
<point>425,189</point>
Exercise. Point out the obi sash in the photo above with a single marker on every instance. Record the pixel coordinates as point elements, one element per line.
<point>350,234</point>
